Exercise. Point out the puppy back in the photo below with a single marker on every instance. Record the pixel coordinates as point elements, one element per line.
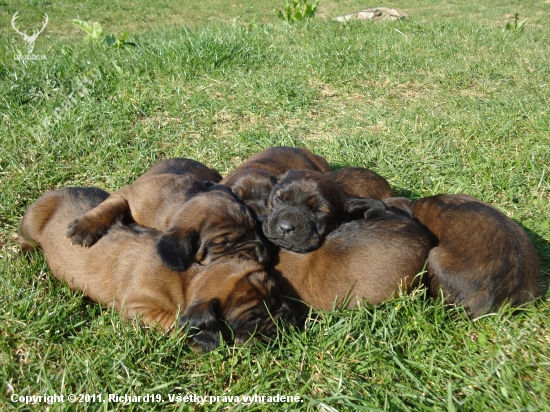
<point>362,183</point>
<point>365,260</point>
<point>278,159</point>
<point>483,258</point>
<point>179,165</point>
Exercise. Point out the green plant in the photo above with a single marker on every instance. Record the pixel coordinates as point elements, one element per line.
<point>517,25</point>
<point>112,41</point>
<point>299,10</point>
<point>95,33</point>
<point>94,30</point>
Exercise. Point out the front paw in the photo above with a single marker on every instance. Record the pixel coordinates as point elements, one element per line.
<point>83,231</point>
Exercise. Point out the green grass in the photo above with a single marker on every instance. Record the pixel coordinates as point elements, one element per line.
<point>451,104</point>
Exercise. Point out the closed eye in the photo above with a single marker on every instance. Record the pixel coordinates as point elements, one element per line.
<point>221,242</point>
<point>255,317</point>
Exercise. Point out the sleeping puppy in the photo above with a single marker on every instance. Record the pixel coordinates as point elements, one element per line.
<point>228,298</point>
<point>362,183</point>
<point>483,259</point>
<point>252,181</point>
<point>360,260</point>
<point>304,206</point>
<point>201,221</point>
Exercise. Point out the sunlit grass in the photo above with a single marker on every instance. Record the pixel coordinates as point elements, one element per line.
<point>452,105</point>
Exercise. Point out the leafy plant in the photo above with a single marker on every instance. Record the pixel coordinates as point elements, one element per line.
<point>94,30</point>
<point>112,41</point>
<point>95,33</point>
<point>299,10</point>
<point>517,25</point>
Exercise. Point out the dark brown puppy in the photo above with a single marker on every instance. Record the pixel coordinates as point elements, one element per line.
<point>123,270</point>
<point>304,206</point>
<point>483,259</point>
<point>252,181</point>
<point>362,183</point>
<point>201,221</point>
<point>362,260</point>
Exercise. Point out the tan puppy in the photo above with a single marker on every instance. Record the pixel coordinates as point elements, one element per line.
<point>252,181</point>
<point>361,260</point>
<point>483,259</point>
<point>232,298</point>
<point>201,221</point>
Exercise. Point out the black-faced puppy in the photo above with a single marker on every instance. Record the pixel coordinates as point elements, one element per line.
<point>228,298</point>
<point>252,181</point>
<point>201,221</point>
<point>304,206</point>
<point>362,260</point>
<point>483,258</point>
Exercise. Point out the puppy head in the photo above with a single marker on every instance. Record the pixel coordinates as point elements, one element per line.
<point>233,301</point>
<point>304,206</point>
<point>253,187</point>
<point>211,225</point>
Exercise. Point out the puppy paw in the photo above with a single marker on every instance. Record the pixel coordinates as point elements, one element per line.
<point>83,231</point>
<point>371,209</point>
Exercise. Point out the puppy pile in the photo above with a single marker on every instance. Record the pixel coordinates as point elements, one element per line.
<point>226,259</point>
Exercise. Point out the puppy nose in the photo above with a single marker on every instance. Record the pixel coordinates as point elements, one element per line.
<point>286,226</point>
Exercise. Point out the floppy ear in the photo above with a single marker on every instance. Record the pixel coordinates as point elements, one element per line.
<point>203,325</point>
<point>371,209</point>
<point>176,248</point>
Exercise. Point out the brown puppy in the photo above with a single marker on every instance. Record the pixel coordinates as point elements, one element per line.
<point>483,259</point>
<point>252,181</point>
<point>123,270</point>
<point>201,221</point>
<point>304,206</point>
<point>362,260</point>
<point>362,183</point>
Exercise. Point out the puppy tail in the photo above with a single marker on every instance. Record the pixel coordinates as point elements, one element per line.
<point>35,219</point>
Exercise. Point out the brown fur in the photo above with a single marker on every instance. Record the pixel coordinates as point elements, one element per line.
<point>362,260</point>
<point>362,183</point>
<point>483,258</point>
<point>252,181</point>
<point>123,270</point>
<point>399,205</point>
<point>201,221</point>
<point>304,206</point>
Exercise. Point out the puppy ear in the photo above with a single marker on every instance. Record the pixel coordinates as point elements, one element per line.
<point>371,209</point>
<point>203,325</point>
<point>176,248</point>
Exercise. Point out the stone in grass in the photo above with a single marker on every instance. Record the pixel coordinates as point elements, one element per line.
<point>375,14</point>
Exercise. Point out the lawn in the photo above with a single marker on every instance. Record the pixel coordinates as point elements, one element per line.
<point>447,102</point>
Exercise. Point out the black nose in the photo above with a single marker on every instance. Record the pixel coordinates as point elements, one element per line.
<point>286,226</point>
